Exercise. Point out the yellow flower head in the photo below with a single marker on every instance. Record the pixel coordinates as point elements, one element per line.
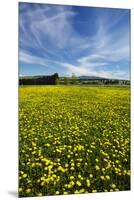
<point>28,190</point>
<point>105,190</point>
<point>76,192</point>
<point>107,177</point>
<point>82,190</point>
<point>94,191</point>
<point>20,189</point>
<point>65,193</point>
<point>88,182</point>
<point>97,167</point>
<point>78,183</point>
<point>91,175</point>
<point>39,194</point>
<point>113,186</point>
<point>102,177</point>
<point>24,175</point>
<point>71,177</point>
<point>57,192</point>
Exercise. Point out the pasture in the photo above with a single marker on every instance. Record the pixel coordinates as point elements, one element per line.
<point>73,140</point>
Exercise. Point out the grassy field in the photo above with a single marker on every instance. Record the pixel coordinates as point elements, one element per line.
<point>73,140</point>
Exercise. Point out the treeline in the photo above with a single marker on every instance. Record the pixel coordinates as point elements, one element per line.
<point>76,81</point>
<point>39,80</point>
<point>107,82</point>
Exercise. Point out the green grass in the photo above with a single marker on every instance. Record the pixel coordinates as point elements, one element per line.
<point>73,140</point>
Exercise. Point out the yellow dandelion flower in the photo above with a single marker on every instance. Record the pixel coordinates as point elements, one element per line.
<point>65,193</point>
<point>78,183</point>
<point>72,183</point>
<point>24,175</point>
<point>28,190</point>
<point>33,164</point>
<point>34,152</point>
<point>88,182</point>
<point>72,164</point>
<point>20,189</point>
<point>105,190</point>
<point>91,175</point>
<point>128,173</point>
<point>97,167</point>
<point>47,145</point>
<point>102,177</point>
<point>107,177</point>
<point>79,176</point>
<point>57,192</point>
<point>42,183</point>
<point>78,164</point>
<point>82,190</point>
<point>93,191</point>
<point>76,192</point>
<point>72,168</point>
<point>113,186</point>
<point>103,170</point>
<point>117,161</point>
<point>71,177</point>
<point>39,194</point>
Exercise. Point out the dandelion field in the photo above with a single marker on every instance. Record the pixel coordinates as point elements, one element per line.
<point>73,140</point>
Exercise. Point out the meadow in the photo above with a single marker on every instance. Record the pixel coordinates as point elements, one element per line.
<point>73,140</point>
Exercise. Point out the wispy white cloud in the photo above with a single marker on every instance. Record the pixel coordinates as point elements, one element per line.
<point>26,58</point>
<point>51,32</point>
<point>90,58</point>
<point>116,74</point>
<point>81,69</point>
<point>52,28</point>
<point>107,46</point>
<point>74,69</point>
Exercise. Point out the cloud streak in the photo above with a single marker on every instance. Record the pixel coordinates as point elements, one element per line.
<point>50,36</point>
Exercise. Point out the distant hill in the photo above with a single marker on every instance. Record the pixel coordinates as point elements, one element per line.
<point>91,78</point>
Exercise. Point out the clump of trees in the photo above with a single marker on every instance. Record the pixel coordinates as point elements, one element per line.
<point>39,80</point>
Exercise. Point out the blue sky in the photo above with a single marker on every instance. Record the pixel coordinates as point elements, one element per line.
<point>72,39</point>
